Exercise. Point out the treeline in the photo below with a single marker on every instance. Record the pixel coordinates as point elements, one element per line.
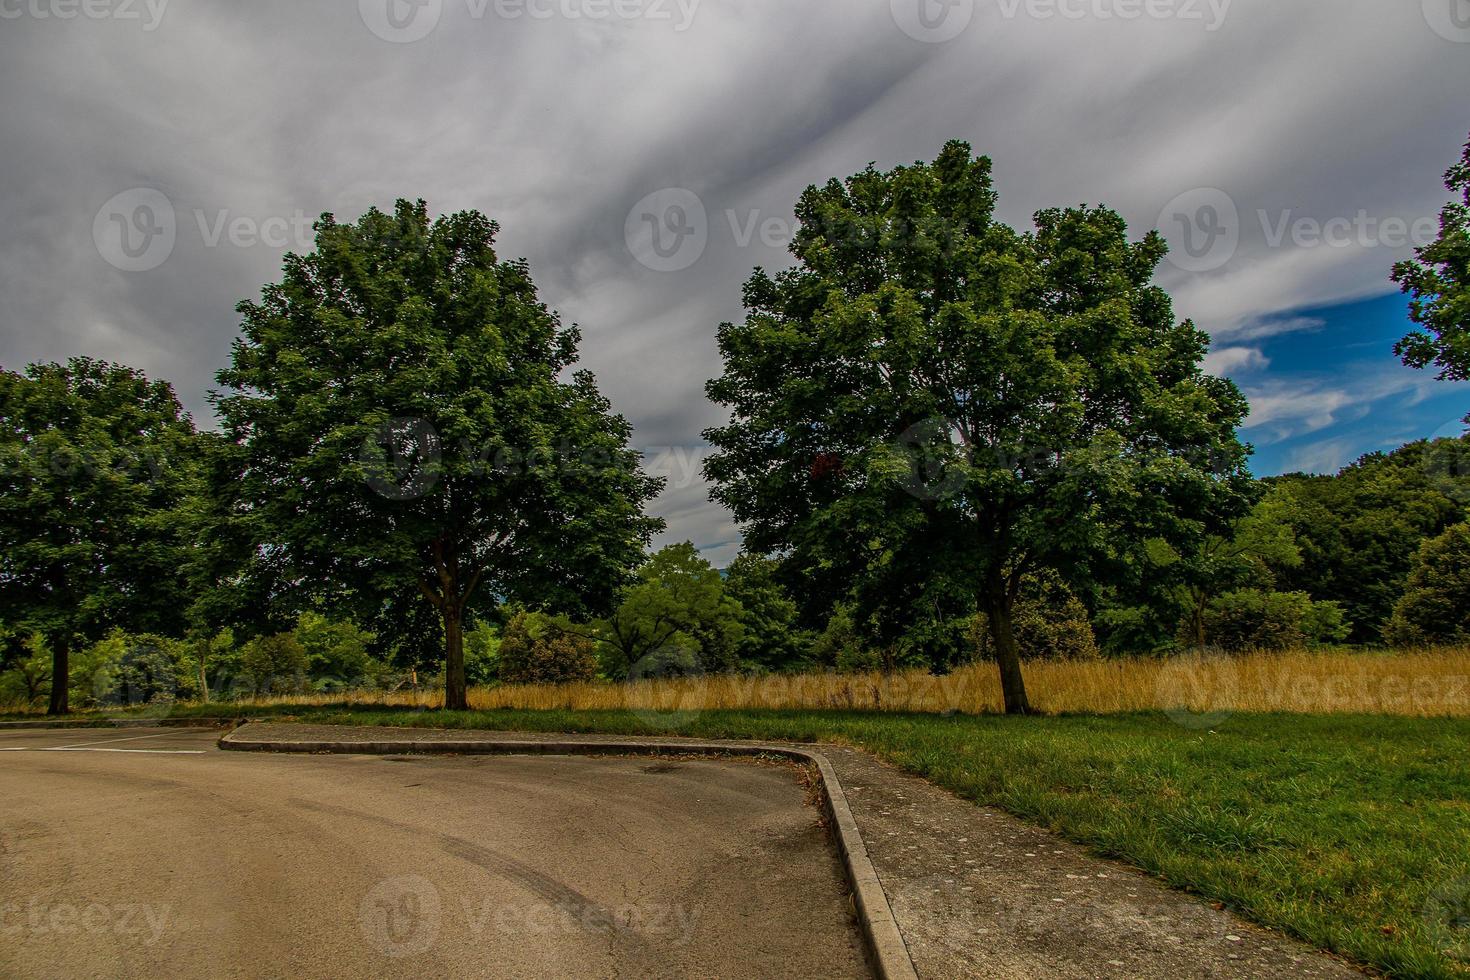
<point>947,440</point>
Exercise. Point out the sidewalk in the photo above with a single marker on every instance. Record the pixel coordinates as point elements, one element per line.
<point>976,892</point>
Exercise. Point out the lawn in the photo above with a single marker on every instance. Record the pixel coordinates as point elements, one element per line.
<point>1351,832</point>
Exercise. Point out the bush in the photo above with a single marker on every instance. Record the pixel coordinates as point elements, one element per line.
<point>481,655</point>
<point>534,650</point>
<point>1254,619</point>
<point>1435,606</point>
<point>147,672</point>
<point>275,664</point>
<point>1050,624</point>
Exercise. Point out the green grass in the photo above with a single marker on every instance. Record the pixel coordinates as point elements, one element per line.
<point>1350,832</point>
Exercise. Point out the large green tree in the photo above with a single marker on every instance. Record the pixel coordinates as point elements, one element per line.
<point>676,618</point>
<point>98,463</point>
<point>1435,606</point>
<point>407,429</point>
<point>1438,280</point>
<point>930,396</point>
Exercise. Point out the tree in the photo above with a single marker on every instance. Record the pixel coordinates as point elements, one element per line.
<point>930,397</point>
<point>1438,279</point>
<point>404,434</point>
<point>1358,530</point>
<point>275,664</point>
<point>535,650</point>
<point>1050,623</point>
<point>337,654</point>
<point>1435,606</point>
<point>1260,619</point>
<point>1262,541</point>
<point>771,636</point>
<point>676,617</point>
<point>27,676</point>
<point>97,462</point>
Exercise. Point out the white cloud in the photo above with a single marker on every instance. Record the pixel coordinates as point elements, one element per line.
<point>1234,360</point>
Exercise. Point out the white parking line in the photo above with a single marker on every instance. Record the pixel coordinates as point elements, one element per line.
<point>89,746</point>
<point>109,741</point>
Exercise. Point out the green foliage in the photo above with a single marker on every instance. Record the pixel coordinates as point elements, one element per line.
<point>1254,619</point>
<point>931,404</point>
<point>482,655</point>
<point>402,432</point>
<point>1435,607</point>
<point>1358,531</point>
<point>337,653</point>
<point>275,664</point>
<point>1438,279</point>
<point>772,638</point>
<point>535,649</point>
<point>96,464</point>
<point>676,618</point>
<point>1050,623</point>
<point>26,679</point>
<point>147,671</point>
<point>1256,547</point>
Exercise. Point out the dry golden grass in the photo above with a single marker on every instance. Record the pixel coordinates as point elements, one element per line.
<point>1430,683</point>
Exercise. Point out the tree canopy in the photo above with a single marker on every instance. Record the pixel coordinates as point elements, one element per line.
<point>97,460</point>
<point>1438,280</point>
<point>405,431</point>
<point>932,397</point>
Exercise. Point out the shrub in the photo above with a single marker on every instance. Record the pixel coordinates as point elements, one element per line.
<point>1050,623</point>
<point>147,672</point>
<point>275,664</point>
<point>1254,619</point>
<point>534,650</point>
<point>1435,606</point>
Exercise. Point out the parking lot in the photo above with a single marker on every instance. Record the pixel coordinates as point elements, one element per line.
<point>146,852</point>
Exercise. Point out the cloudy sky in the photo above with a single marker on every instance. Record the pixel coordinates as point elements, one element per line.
<point>159,156</point>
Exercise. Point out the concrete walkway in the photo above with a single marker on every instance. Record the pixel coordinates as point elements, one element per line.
<point>976,892</point>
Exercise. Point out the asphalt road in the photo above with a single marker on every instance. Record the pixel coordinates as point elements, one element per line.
<point>142,853</point>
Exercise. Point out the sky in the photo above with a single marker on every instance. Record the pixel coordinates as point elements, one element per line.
<point>159,157</point>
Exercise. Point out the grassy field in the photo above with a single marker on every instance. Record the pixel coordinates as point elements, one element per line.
<point>1351,832</point>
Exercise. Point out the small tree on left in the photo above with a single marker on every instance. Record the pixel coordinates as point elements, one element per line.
<point>406,427</point>
<point>96,462</point>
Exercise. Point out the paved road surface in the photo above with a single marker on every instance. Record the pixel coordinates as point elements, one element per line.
<point>140,853</point>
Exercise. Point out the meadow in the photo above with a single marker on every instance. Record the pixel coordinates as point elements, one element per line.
<point>1194,689</point>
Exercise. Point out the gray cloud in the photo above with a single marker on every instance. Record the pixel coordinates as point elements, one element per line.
<point>264,113</point>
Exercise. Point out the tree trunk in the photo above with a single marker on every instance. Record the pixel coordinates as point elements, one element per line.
<point>1197,618</point>
<point>1007,652</point>
<point>455,698</point>
<point>60,674</point>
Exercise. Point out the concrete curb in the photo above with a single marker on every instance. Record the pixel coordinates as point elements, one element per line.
<point>886,947</point>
